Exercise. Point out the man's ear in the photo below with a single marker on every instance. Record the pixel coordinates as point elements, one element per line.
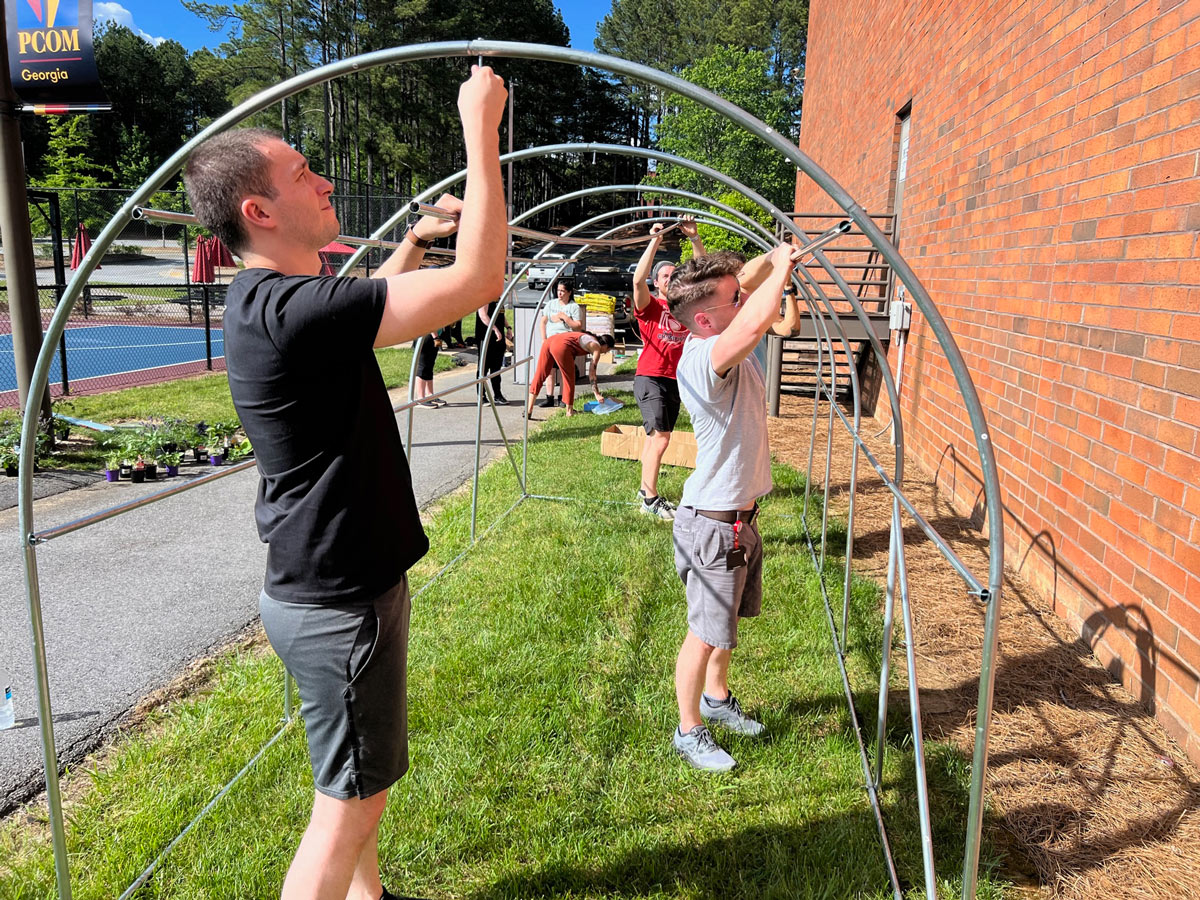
<point>254,214</point>
<point>702,320</point>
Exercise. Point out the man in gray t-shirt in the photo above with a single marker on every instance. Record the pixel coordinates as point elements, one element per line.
<point>718,553</point>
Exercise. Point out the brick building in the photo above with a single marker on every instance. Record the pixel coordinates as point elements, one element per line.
<point>1050,202</point>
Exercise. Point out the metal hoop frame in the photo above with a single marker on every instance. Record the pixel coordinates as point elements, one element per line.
<point>988,592</point>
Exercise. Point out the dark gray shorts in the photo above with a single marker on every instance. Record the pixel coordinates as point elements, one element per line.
<point>717,596</point>
<point>658,400</point>
<point>350,662</point>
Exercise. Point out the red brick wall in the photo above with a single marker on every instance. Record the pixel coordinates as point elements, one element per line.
<point>1051,208</point>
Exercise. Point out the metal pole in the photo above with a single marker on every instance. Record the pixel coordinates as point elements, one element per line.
<point>25,317</point>
<point>60,280</point>
<point>207,331</point>
<point>24,306</point>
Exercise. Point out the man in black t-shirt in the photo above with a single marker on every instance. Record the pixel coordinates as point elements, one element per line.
<point>335,502</point>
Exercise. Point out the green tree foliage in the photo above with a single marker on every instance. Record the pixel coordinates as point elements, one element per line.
<point>690,130</point>
<point>395,129</point>
<point>69,163</point>
<point>671,34</point>
<point>717,238</point>
<point>158,101</point>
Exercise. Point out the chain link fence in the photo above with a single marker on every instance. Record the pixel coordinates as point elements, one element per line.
<point>142,317</point>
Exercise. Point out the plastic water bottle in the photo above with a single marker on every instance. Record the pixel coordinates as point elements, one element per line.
<point>7,716</point>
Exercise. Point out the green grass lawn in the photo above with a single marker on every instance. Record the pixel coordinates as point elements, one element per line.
<point>541,707</point>
<point>201,398</point>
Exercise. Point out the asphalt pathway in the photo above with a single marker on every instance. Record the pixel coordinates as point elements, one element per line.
<point>128,603</point>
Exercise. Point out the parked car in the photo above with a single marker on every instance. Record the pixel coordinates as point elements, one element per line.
<point>544,270</point>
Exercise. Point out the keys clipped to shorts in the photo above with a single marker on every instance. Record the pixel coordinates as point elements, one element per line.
<point>736,558</point>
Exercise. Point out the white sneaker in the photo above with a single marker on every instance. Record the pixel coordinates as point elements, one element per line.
<point>655,506</point>
<point>729,713</point>
<point>700,751</point>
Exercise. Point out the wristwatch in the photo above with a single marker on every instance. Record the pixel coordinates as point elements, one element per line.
<point>411,235</point>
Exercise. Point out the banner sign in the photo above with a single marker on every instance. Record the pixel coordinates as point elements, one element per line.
<point>50,56</point>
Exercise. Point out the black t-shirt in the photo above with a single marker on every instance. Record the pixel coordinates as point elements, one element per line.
<point>335,503</point>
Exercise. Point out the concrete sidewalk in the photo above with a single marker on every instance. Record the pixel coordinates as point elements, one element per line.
<point>128,603</point>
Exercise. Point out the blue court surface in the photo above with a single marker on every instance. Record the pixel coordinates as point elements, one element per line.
<point>98,350</point>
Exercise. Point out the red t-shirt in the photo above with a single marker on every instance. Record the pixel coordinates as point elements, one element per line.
<point>663,337</point>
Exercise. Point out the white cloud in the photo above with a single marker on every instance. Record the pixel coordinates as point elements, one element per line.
<point>116,13</point>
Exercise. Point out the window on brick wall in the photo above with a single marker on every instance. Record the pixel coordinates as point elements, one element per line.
<point>901,171</point>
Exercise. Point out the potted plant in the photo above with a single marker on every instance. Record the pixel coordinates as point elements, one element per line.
<point>200,442</point>
<point>151,447</point>
<point>220,435</point>
<point>9,458</point>
<point>137,472</point>
<point>240,450</point>
<point>62,427</point>
<point>112,466</point>
<point>171,460</point>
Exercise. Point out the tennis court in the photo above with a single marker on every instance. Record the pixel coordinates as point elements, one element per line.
<point>96,351</point>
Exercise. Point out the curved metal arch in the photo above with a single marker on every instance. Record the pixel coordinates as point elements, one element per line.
<point>990,595</point>
<point>776,214</point>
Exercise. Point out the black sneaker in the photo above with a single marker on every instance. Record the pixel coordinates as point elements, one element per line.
<point>547,403</point>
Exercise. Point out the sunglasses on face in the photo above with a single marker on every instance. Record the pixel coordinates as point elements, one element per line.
<point>735,301</point>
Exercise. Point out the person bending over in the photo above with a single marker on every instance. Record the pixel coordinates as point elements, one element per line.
<point>561,351</point>
<point>718,552</point>
<point>654,383</point>
<point>335,501</point>
<point>560,314</point>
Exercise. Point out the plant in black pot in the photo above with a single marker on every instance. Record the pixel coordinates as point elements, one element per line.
<point>149,448</point>
<point>9,458</point>
<point>200,441</point>
<point>179,437</point>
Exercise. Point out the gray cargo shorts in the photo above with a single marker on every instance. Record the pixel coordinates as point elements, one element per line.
<point>717,596</point>
<point>350,662</point>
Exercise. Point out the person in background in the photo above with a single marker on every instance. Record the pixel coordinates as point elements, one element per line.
<point>561,313</point>
<point>493,359</point>
<point>654,384</point>
<point>561,350</point>
<point>426,357</point>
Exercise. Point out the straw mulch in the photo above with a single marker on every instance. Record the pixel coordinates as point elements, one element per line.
<point>1085,789</point>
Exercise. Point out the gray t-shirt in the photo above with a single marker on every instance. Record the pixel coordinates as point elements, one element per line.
<point>729,416</point>
<point>553,306</point>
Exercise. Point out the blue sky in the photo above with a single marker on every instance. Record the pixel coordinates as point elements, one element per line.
<point>158,19</point>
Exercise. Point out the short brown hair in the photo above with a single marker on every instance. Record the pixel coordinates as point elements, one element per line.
<point>694,282</point>
<point>220,173</point>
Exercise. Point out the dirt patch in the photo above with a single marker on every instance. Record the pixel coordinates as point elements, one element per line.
<point>1084,786</point>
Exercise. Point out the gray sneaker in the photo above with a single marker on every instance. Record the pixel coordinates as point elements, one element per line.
<point>729,714</point>
<point>656,506</point>
<point>699,750</point>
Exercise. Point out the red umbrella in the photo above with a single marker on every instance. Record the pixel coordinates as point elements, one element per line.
<point>83,244</point>
<point>326,263</point>
<point>220,253</point>
<point>202,265</point>
<point>335,247</point>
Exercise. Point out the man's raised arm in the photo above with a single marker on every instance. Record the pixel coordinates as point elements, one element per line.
<point>757,314</point>
<point>424,300</point>
<point>641,293</point>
